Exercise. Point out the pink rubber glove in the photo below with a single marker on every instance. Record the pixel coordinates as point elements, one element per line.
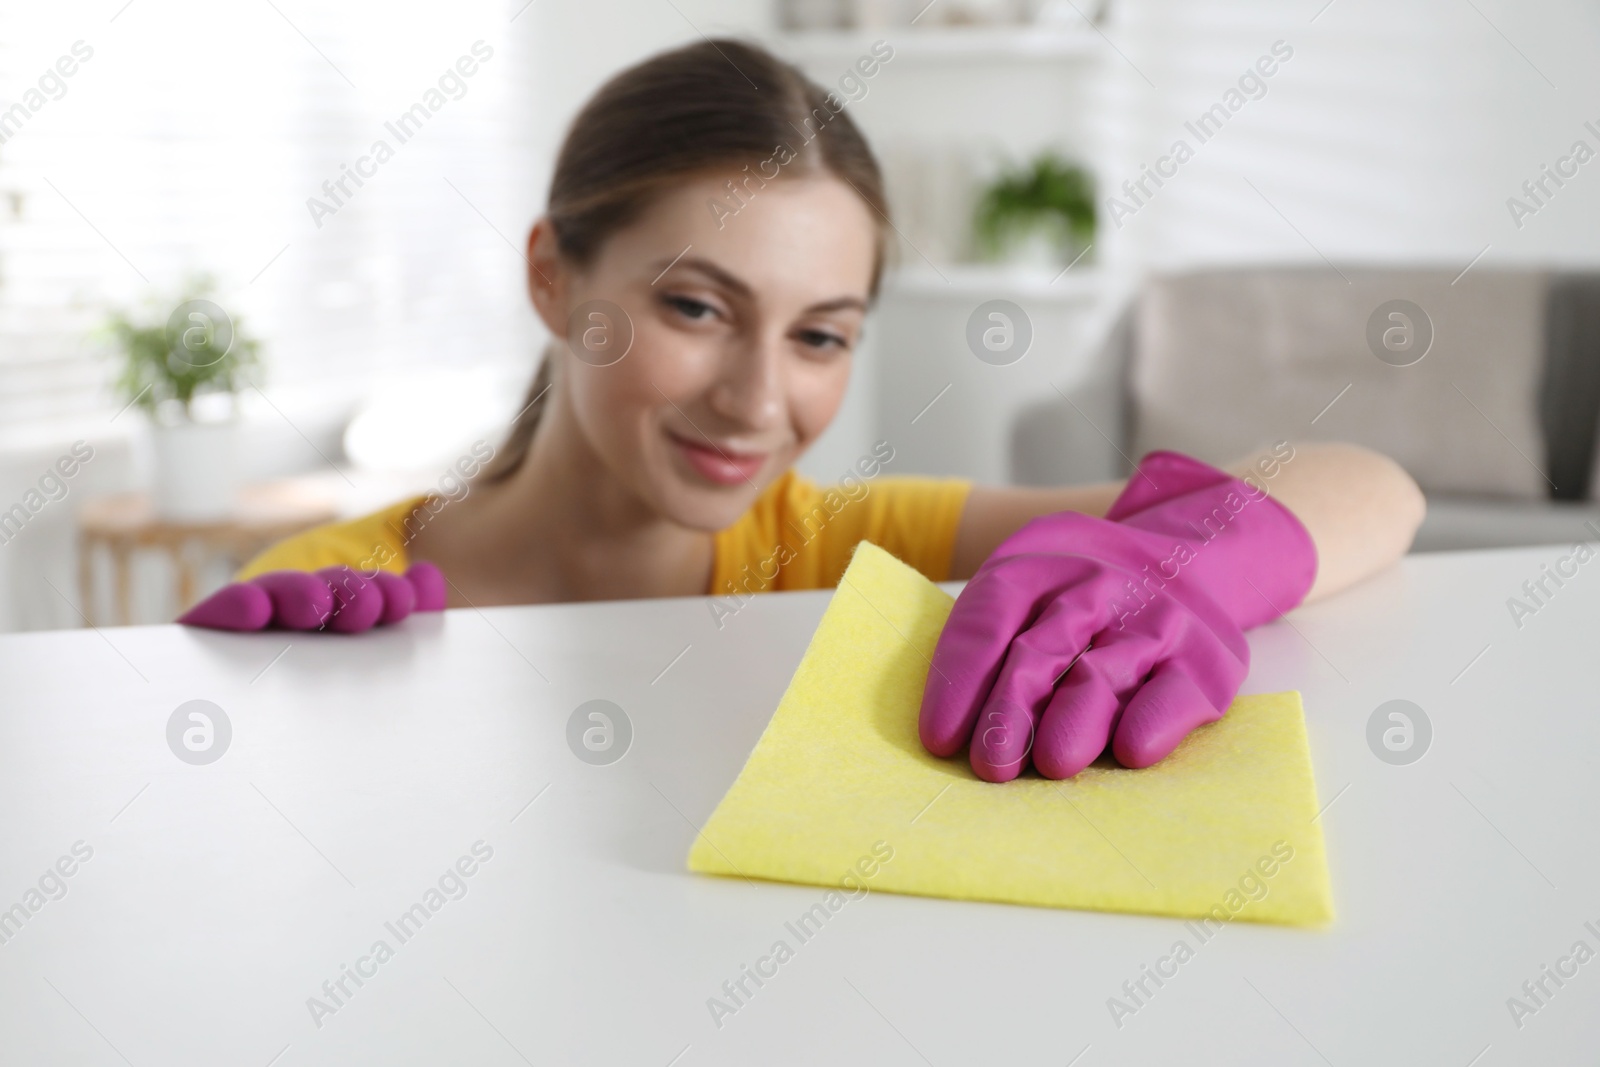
<point>334,598</point>
<point>1138,616</point>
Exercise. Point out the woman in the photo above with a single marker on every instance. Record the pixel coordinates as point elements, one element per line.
<point>715,234</point>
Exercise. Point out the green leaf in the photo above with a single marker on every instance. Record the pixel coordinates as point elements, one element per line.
<point>154,371</point>
<point>1047,191</point>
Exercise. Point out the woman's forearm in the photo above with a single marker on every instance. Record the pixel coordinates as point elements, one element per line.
<point>1361,508</point>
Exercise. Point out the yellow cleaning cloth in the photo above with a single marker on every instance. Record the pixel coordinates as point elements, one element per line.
<point>1222,827</point>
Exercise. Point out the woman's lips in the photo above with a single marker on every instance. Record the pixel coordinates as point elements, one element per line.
<point>720,465</point>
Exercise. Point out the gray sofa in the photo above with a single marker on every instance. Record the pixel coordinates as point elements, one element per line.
<point>1484,385</point>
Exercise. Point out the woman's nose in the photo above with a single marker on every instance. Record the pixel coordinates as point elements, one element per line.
<point>749,391</point>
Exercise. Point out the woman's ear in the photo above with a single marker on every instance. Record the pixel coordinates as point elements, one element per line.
<point>546,279</point>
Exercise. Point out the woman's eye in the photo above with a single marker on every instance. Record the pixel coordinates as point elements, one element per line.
<point>821,339</point>
<point>690,308</point>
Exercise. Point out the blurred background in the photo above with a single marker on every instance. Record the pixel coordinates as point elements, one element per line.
<point>1343,163</point>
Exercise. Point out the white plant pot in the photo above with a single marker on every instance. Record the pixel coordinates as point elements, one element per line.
<point>1038,244</point>
<point>195,475</point>
<point>1035,250</point>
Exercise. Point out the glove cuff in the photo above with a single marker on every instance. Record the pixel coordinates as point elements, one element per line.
<point>1238,543</point>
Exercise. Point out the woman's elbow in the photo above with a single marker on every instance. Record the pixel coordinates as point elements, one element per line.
<point>1400,506</point>
<point>1364,511</point>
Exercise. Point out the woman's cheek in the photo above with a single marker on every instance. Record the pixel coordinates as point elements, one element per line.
<point>672,365</point>
<point>607,400</point>
<point>817,394</point>
<point>638,393</point>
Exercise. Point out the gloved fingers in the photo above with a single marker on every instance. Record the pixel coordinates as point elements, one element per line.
<point>428,581</point>
<point>300,600</point>
<point>1037,656</point>
<point>1160,715</point>
<point>1036,660</point>
<point>338,598</point>
<point>399,597</point>
<point>1080,717</point>
<point>1001,741</point>
<point>996,605</point>
<point>1213,654</point>
<point>358,603</point>
<point>237,606</point>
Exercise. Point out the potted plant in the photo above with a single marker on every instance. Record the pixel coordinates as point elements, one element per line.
<point>184,369</point>
<point>1040,213</point>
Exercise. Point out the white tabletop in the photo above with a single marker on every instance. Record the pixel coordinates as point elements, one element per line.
<point>220,897</point>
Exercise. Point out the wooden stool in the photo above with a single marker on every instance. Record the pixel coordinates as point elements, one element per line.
<point>126,522</point>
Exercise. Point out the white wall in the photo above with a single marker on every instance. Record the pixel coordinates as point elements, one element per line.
<point>1395,133</point>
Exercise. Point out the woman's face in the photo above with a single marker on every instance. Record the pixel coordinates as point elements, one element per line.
<point>743,320</point>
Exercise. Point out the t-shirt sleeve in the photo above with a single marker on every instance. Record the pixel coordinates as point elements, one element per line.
<point>376,540</point>
<point>309,551</point>
<point>914,518</point>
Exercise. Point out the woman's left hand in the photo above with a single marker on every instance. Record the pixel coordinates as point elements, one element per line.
<point>1079,632</point>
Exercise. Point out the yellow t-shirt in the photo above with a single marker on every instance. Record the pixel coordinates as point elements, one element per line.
<point>797,535</point>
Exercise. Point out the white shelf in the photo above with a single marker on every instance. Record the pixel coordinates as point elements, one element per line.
<point>974,43</point>
<point>982,281</point>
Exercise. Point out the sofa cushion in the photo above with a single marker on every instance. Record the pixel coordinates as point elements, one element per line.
<point>1227,360</point>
